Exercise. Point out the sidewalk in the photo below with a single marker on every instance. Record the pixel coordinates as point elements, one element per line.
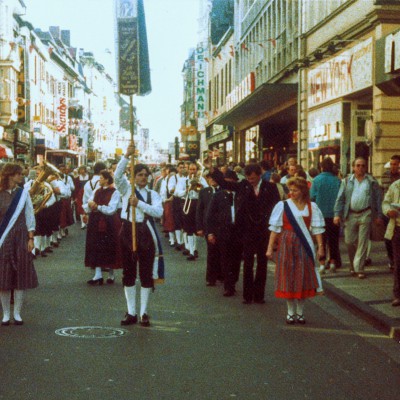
<point>370,298</point>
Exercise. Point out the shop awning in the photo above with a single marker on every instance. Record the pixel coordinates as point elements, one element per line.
<point>5,152</point>
<point>265,98</point>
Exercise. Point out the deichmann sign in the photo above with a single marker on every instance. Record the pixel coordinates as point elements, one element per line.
<point>200,86</point>
<point>347,73</point>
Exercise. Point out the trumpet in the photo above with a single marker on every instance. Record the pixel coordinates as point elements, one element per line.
<point>193,184</point>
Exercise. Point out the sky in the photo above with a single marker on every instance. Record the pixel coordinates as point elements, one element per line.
<point>172,27</point>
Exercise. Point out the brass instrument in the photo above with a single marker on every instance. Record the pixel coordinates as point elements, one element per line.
<point>40,190</point>
<point>194,184</point>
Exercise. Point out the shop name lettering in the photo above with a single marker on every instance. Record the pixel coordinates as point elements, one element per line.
<point>62,112</point>
<point>200,83</point>
<point>337,77</point>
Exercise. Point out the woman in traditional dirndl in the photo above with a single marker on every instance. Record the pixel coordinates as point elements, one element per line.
<point>17,227</point>
<point>102,245</point>
<point>292,224</point>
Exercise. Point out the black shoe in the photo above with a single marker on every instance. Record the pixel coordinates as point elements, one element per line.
<point>262,301</point>
<point>247,301</point>
<point>16,322</point>
<point>145,320</point>
<point>129,319</point>
<point>229,293</point>
<point>5,323</point>
<point>94,282</point>
<point>290,319</point>
<point>191,258</point>
<point>43,254</point>
<point>172,245</point>
<point>196,254</point>
<point>54,244</point>
<point>110,281</point>
<point>367,262</point>
<point>186,252</point>
<point>179,247</point>
<point>300,319</point>
<point>66,232</point>
<point>211,284</point>
<point>48,250</point>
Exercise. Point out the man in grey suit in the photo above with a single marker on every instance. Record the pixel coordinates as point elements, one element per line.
<point>358,204</point>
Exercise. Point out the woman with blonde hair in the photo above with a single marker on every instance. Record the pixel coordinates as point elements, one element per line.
<point>292,224</point>
<point>17,227</point>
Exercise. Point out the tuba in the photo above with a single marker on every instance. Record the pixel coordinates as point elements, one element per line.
<point>40,190</point>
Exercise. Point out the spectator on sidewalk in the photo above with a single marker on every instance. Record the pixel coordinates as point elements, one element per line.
<point>388,177</point>
<point>391,208</point>
<point>358,204</point>
<point>324,191</point>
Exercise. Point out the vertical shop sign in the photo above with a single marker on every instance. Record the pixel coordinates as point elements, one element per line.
<point>200,86</point>
<point>62,117</point>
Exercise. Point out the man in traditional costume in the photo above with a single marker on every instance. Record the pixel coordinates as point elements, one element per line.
<point>146,204</point>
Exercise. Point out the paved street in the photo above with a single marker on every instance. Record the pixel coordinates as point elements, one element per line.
<point>200,345</point>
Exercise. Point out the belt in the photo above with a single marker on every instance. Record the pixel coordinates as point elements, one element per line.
<point>125,221</point>
<point>360,211</point>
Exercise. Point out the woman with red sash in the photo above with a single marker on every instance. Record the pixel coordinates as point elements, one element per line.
<point>103,229</point>
<point>292,225</point>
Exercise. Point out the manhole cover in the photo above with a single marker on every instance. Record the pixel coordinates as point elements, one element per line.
<point>91,332</point>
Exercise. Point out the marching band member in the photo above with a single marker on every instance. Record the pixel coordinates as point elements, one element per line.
<point>189,189</point>
<point>17,226</point>
<point>66,218</point>
<point>177,203</point>
<point>148,255</point>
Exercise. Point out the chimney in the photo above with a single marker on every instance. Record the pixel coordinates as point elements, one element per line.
<point>55,32</point>
<point>66,37</point>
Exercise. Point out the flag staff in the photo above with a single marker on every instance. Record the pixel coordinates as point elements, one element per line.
<point>132,173</point>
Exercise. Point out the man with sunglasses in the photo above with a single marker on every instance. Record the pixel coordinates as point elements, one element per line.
<point>359,201</point>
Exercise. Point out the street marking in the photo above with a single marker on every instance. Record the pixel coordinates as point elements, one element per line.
<point>336,332</point>
<point>91,332</point>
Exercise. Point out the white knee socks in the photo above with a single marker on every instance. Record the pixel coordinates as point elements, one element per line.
<point>130,295</point>
<point>172,238</point>
<point>300,307</point>
<point>97,274</point>
<point>144,299</point>
<point>5,296</point>
<point>18,300</point>
<point>190,240</point>
<point>290,307</point>
<point>178,234</point>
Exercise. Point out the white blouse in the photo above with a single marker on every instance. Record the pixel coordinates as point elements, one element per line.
<point>317,225</point>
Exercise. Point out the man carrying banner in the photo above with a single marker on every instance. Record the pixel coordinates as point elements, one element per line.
<point>148,256</point>
<point>17,226</point>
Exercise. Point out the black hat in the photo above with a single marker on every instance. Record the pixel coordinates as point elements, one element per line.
<point>229,174</point>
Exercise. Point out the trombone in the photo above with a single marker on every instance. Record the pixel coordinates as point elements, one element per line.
<point>194,184</point>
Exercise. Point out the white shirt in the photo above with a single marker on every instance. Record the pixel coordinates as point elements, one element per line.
<point>89,189</point>
<point>109,209</point>
<point>360,196</point>
<point>124,187</point>
<point>57,183</point>
<point>317,219</point>
<point>183,185</point>
<point>173,183</point>
<point>29,213</point>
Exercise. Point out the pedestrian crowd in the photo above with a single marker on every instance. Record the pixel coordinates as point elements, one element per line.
<point>245,213</point>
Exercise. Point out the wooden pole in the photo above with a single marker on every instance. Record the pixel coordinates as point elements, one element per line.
<point>132,169</point>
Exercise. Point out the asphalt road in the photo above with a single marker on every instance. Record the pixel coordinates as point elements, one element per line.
<point>200,345</point>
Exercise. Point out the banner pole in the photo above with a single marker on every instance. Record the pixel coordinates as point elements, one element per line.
<point>132,171</point>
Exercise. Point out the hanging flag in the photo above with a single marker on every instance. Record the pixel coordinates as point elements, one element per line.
<point>131,40</point>
<point>244,47</point>
<point>261,45</point>
<point>206,59</point>
<point>219,56</point>
<point>273,42</point>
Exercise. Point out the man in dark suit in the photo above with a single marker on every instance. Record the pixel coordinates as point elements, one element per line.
<point>213,272</point>
<point>255,201</point>
<point>225,233</point>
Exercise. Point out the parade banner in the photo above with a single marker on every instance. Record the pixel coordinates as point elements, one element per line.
<point>133,67</point>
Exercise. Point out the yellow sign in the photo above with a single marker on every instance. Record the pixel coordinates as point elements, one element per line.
<point>118,152</point>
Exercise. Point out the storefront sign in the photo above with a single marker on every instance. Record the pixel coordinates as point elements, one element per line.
<point>241,91</point>
<point>200,86</point>
<point>193,150</point>
<point>325,126</point>
<point>62,117</point>
<point>392,53</point>
<point>21,87</point>
<point>347,73</point>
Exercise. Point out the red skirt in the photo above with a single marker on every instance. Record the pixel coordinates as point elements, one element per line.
<point>295,276</point>
<point>168,224</point>
<point>66,217</point>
